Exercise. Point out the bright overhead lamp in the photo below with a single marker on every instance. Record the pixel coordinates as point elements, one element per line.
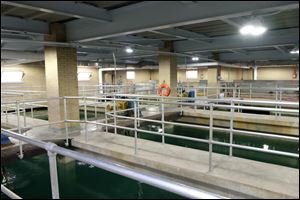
<point>295,50</point>
<point>195,58</point>
<point>254,28</point>
<point>128,50</point>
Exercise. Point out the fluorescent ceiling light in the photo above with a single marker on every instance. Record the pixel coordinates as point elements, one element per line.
<point>195,58</point>
<point>254,30</point>
<point>129,50</point>
<point>294,51</point>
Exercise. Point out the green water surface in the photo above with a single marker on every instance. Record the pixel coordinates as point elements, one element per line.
<point>246,140</point>
<point>30,178</point>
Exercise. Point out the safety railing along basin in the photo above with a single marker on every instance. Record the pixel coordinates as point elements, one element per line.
<point>148,178</point>
<point>212,105</point>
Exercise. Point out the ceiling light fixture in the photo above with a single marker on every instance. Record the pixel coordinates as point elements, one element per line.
<point>254,28</point>
<point>195,58</point>
<point>295,50</point>
<point>128,50</point>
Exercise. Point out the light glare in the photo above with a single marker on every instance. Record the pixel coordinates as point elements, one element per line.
<point>253,30</point>
<point>129,50</point>
<point>195,58</point>
<point>294,51</point>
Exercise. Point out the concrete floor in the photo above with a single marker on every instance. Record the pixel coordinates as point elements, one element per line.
<point>248,177</point>
<point>254,122</point>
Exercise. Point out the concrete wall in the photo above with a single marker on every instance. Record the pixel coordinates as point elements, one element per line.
<point>95,76</point>
<point>277,73</point>
<point>141,76</point>
<point>34,77</point>
<point>181,75</point>
<point>232,74</point>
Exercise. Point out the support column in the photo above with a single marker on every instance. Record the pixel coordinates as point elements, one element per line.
<point>212,80</point>
<point>255,73</point>
<point>61,76</point>
<point>168,68</point>
<point>213,76</point>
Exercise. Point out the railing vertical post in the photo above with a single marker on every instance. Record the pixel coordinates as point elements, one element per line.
<point>234,90</point>
<point>276,98</point>
<point>85,119</point>
<point>280,99</point>
<point>195,97</point>
<point>138,112</point>
<point>31,111</point>
<point>21,155</point>
<point>163,119</point>
<point>210,135</point>
<point>115,113</point>
<point>106,120</point>
<point>6,111</point>
<point>239,97</point>
<point>24,115</point>
<point>181,108</point>
<point>135,127</point>
<point>250,95</point>
<point>53,175</point>
<point>231,128</point>
<point>66,124</point>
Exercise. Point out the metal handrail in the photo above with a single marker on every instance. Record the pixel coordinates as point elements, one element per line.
<point>137,99</point>
<point>151,179</point>
<point>9,193</point>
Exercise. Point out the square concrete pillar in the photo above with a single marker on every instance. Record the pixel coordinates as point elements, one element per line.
<point>212,80</point>
<point>61,80</point>
<point>61,76</point>
<point>168,68</point>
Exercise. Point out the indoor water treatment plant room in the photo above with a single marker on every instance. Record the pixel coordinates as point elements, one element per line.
<point>149,99</point>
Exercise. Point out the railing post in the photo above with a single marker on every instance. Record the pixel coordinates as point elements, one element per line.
<point>195,97</point>
<point>231,128</point>
<point>21,155</point>
<point>210,135</point>
<point>6,116</point>
<point>96,114</point>
<point>24,115</point>
<point>53,174</point>
<point>239,97</point>
<point>66,124</point>
<point>181,108</point>
<point>115,113</point>
<point>85,119</point>
<point>135,127</point>
<point>250,95</point>
<point>31,111</point>
<point>106,121</point>
<point>276,99</point>
<point>138,113</point>
<point>280,99</point>
<point>163,120</point>
<point>234,91</point>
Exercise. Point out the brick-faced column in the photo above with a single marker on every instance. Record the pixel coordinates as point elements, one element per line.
<point>61,78</point>
<point>168,68</point>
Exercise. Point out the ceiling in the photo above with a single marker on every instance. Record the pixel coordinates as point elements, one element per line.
<point>209,30</point>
